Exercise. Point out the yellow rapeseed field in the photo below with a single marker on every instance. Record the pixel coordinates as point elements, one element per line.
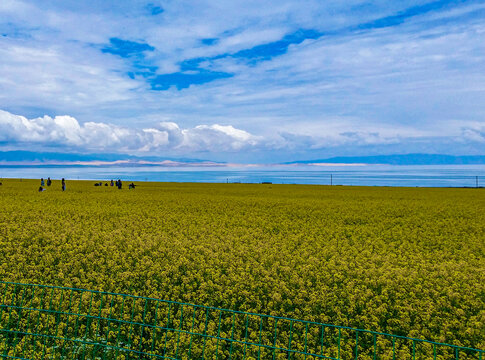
<point>407,261</point>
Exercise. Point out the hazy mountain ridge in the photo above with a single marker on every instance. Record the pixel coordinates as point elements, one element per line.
<point>401,159</point>
<point>20,157</point>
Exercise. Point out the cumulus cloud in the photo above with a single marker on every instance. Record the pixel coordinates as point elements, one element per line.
<point>214,137</point>
<point>67,131</point>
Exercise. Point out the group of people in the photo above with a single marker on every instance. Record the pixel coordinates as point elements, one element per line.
<point>118,183</point>
<point>49,183</point>
<point>112,183</point>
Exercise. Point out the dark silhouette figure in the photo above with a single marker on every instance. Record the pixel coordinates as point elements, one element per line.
<point>131,186</point>
<point>112,182</point>
<point>41,189</point>
<point>119,184</point>
<point>42,182</point>
<point>63,183</point>
<point>49,181</point>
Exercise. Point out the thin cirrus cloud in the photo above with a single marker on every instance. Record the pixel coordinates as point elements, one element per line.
<point>191,71</point>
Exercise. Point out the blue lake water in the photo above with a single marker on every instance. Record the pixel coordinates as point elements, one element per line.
<point>369,175</point>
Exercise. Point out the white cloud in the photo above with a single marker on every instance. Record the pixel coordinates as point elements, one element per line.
<point>476,135</point>
<point>62,77</point>
<point>298,141</point>
<point>216,138</point>
<point>66,131</point>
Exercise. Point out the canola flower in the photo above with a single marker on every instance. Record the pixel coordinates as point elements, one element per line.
<point>405,261</point>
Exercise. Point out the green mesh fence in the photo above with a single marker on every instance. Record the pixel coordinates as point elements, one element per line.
<point>48,322</point>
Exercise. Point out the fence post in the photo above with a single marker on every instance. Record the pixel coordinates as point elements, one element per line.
<point>218,333</point>
<point>375,346</point>
<point>338,350</point>
<point>289,344</point>
<point>192,331</point>
<point>274,340</point>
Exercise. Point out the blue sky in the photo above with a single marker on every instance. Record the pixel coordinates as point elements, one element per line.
<point>244,81</point>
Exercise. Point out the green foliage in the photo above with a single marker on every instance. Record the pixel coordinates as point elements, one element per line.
<point>404,261</point>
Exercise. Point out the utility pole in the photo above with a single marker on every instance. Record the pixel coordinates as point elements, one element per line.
<point>331,179</point>
<point>476,180</point>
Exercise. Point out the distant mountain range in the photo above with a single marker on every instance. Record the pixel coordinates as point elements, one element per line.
<point>401,159</point>
<point>30,158</point>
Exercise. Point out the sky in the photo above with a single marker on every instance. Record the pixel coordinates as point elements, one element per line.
<point>243,81</point>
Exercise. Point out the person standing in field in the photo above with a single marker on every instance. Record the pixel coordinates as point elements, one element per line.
<point>41,181</point>
<point>49,181</point>
<point>63,183</point>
